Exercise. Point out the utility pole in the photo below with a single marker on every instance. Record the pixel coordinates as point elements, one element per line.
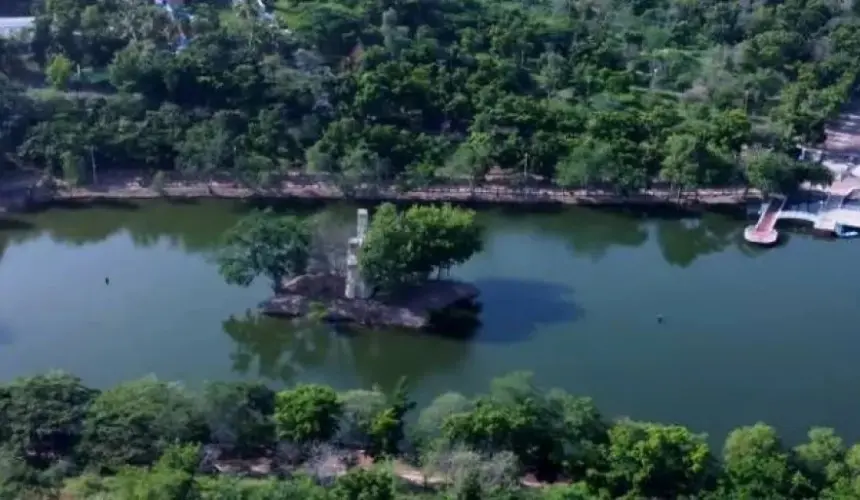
<point>93,163</point>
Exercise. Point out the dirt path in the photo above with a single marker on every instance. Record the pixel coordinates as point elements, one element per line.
<point>490,193</point>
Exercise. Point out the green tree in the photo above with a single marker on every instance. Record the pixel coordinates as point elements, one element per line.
<point>20,479</point>
<point>582,432</point>
<point>471,160</point>
<point>776,172</point>
<point>387,426</point>
<point>163,414</point>
<point>522,428</point>
<point>584,164</point>
<point>262,243</point>
<point>402,248</point>
<point>43,416</point>
<point>59,72</point>
<point>172,476</point>
<point>846,475</point>
<point>822,459</point>
<point>307,413</point>
<point>361,484</point>
<point>239,416</point>
<point>359,410</point>
<point>649,460</point>
<point>756,465</point>
<point>429,425</point>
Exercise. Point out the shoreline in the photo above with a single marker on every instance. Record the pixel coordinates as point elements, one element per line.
<point>24,195</point>
<point>489,193</point>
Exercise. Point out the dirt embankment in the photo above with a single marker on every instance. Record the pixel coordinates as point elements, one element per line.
<point>135,185</point>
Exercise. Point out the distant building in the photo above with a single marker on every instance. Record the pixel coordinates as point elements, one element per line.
<point>9,26</point>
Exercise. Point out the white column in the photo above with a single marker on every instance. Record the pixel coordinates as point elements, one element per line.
<point>355,287</point>
<point>363,221</point>
<point>352,275</point>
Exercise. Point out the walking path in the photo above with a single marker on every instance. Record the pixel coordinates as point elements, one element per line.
<point>139,187</point>
<point>764,232</point>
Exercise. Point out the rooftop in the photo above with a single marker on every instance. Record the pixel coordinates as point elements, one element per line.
<point>11,25</point>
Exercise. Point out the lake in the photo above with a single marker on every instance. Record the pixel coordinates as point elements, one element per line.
<point>749,334</point>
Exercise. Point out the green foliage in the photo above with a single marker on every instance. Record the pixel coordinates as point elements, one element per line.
<point>359,407</point>
<point>239,416</point>
<point>621,96</point>
<point>429,424</point>
<point>19,479</point>
<point>59,72</point>
<point>43,416</point>
<point>756,464</point>
<point>387,426</point>
<point>363,484</point>
<point>152,439</point>
<point>651,460</point>
<point>408,247</point>
<point>135,422</point>
<point>521,427</point>
<point>262,243</point>
<point>775,172</point>
<point>73,167</point>
<point>306,414</point>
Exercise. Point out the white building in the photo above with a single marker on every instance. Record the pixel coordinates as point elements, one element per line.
<point>9,26</point>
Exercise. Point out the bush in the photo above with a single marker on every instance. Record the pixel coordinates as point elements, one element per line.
<point>239,416</point>
<point>43,416</point>
<point>133,423</point>
<point>308,413</point>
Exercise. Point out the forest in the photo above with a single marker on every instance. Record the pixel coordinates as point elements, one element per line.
<point>147,439</point>
<point>595,94</point>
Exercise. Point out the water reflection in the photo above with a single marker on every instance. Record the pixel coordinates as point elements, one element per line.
<point>286,351</point>
<point>279,349</point>
<point>587,232</point>
<point>682,236</point>
<point>196,226</point>
<point>683,240</point>
<point>191,226</point>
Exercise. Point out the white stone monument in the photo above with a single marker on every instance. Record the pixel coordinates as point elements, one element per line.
<point>355,286</point>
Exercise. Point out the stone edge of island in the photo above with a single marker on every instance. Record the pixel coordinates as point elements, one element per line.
<point>411,308</point>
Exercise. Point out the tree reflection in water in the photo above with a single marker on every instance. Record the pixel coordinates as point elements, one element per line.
<point>291,351</point>
<point>281,349</point>
<point>683,236</point>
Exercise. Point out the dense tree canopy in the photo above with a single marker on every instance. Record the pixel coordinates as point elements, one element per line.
<point>407,247</point>
<point>163,441</point>
<point>608,94</point>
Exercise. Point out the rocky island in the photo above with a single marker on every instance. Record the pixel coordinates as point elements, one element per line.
<point>348,298</point>
<point>412,307</point>
<point>385,279</point>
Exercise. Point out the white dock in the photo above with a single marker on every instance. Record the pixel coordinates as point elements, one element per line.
<point>828,218</point>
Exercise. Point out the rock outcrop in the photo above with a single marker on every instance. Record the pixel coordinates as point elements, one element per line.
<point>411,307</point>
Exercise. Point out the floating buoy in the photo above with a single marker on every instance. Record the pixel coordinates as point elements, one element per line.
<point>659,318</point>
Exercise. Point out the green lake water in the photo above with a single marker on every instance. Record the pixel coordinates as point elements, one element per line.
<point>572,296</point>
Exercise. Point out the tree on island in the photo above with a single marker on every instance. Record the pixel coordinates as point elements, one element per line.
<point>262,243</point>
<point>408,247</point>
